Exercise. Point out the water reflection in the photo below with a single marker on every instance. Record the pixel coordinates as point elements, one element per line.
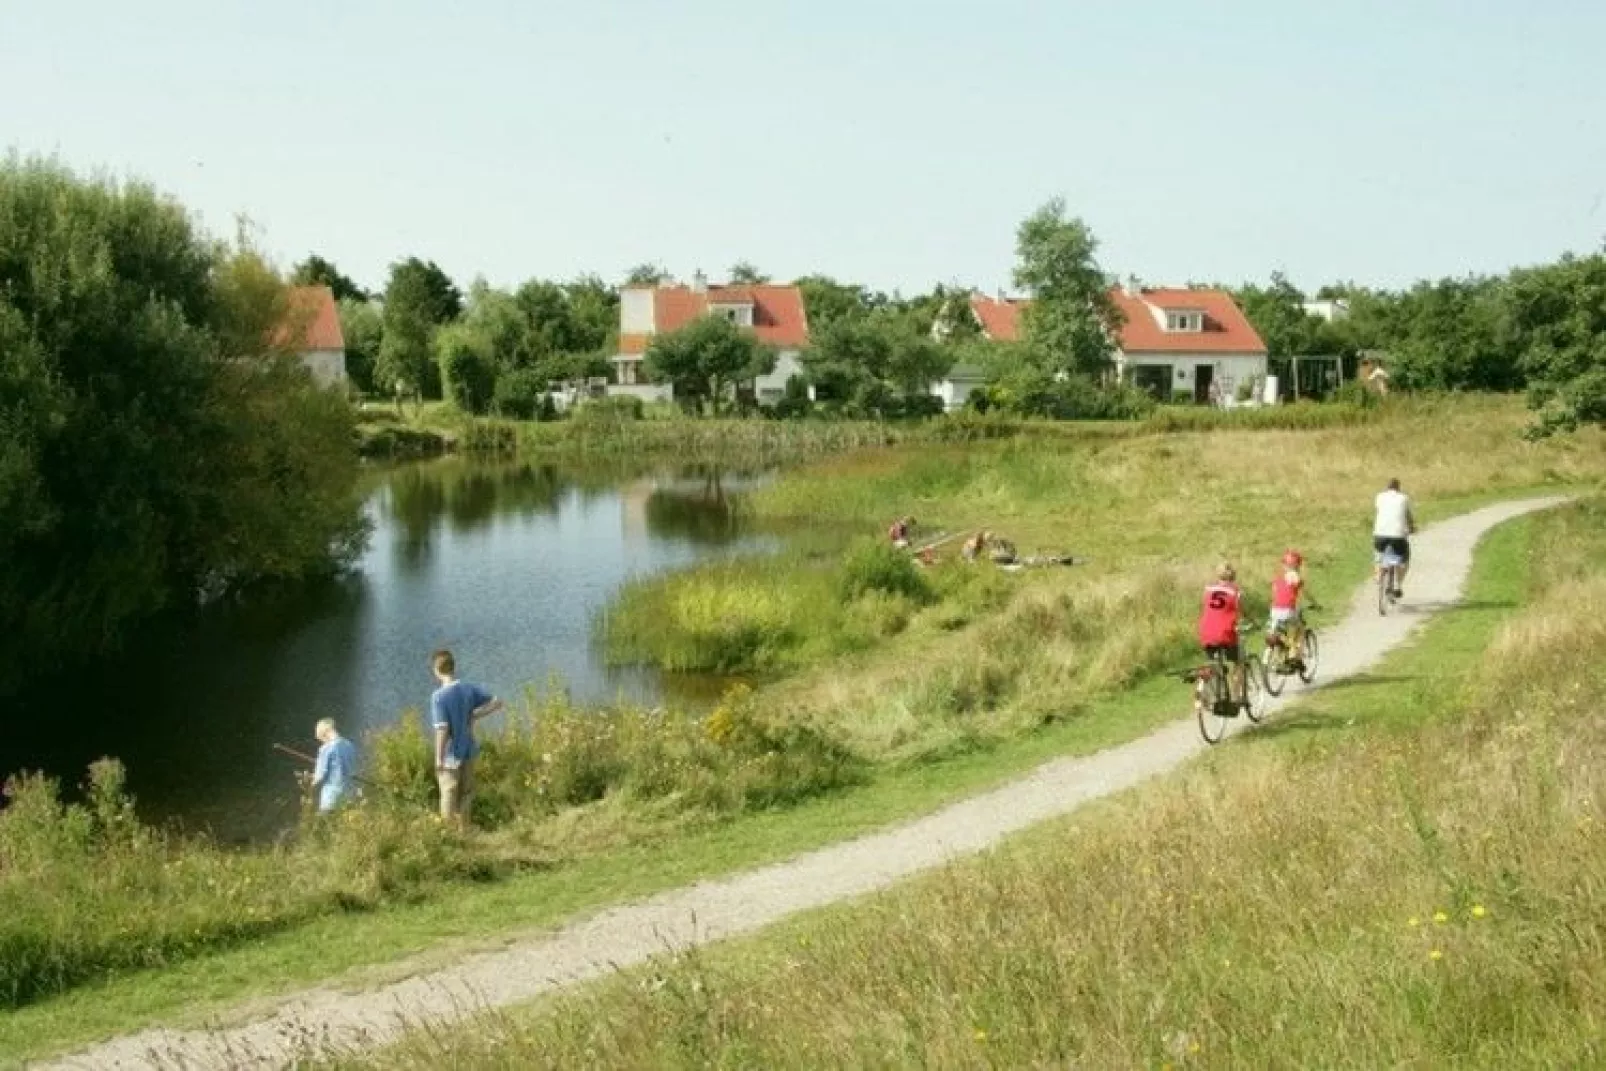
<point>507,564</point>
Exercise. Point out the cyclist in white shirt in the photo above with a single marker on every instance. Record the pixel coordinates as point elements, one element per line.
<point>1391,532</point>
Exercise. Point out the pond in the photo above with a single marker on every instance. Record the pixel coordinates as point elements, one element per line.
<point>506,565</point>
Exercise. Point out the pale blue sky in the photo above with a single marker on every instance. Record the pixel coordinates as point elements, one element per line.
<point>894,143</point>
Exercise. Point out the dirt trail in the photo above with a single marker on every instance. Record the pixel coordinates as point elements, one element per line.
<point>711,910</point>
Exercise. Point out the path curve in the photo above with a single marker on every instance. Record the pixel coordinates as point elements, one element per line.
<point>738,904</point>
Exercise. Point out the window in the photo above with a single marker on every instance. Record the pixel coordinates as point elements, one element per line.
<point>740,315</point>
<point>1184,321</point>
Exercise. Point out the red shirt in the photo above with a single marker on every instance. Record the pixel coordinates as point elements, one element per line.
<point>1218,619</point>
<point>1285,590</point>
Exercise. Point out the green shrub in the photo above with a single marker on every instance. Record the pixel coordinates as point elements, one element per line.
<point>873,566</point>
<point>519,394</point>
<point>468,374</point>
<point>608,411</point>
<point>491,437</point>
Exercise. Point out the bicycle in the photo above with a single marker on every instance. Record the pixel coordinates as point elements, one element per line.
<point>1280,660</point>
<point>1388,575</point>
<point>1216,704</point>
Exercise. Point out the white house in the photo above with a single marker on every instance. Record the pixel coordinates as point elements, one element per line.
<point>774,313</point>
<point>1330,310</point>
<point>312,330</point>
<point>957,386</point>
<point>1193,345</point>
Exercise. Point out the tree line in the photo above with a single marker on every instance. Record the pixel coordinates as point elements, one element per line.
<point>874,354</point>
<point>160,442</point>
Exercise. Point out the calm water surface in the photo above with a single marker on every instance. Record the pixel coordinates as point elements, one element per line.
<point>508,566</point>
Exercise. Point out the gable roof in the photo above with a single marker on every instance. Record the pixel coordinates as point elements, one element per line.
<point>312,321</point>
<point>1226,328</point>
<point>779,318</point>
<point>1000,320</point>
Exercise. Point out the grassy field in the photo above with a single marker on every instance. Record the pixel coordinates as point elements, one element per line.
<point>1410,870</point>
<point>105,924</point>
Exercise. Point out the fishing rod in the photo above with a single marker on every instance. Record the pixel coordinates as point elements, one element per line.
<point>313,761</point>
<point>934,544</point>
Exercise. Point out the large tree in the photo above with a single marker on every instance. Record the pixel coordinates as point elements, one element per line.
<point>877,365</point>
<point>419,299</point>
<point>825,300</point>
<point>1072,322</point>
<point>158,437</point>
<point>1557,323</point>
<point>706,360</point>
<point>362,323</point>
<point>316,271</point>
<point>1278,314</point>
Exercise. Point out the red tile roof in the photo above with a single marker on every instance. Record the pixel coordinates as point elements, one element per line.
<point>1000,320</point>
<point>778,315</point>
<point>314,319</point>
<point>1226,328</point>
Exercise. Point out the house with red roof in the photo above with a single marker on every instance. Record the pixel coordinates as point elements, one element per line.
<point>312,330</point>
<point>772,312</point>
<point>1177,344</point>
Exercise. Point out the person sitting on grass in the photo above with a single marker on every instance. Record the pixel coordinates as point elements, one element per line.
<point>1287,626</point>
<point>1218,632</point>
<point>336,767</point>
<point>974,546</point>
<point>900,532</point>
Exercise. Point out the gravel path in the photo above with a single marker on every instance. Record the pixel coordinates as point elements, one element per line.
<point>739,904</point>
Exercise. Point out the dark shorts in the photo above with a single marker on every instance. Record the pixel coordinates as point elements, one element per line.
<point>1232,652</point>
<point>1401,548</point>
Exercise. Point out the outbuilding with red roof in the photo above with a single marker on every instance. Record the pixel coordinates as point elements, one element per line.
<point>312,330</point>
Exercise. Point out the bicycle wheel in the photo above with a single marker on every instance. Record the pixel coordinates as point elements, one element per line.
<point>1254,703</point>
<point>1212,725</point>
<point>1310,656</point>
<point>1271,666</point>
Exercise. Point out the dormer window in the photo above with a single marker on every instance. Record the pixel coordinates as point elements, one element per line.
<point>1183,320</point>
<point>739,314</point>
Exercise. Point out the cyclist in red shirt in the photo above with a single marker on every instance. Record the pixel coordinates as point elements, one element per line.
<point>1287,592</point>
<point>1218,628</point>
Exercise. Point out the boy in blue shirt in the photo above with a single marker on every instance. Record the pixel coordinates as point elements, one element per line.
<point>454,708</point>
<point>336,767</point>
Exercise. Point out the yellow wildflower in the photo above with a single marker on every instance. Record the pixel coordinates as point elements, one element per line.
<point>981,1035</point>
<point>1440,918</point>
<point>1478,912</point>
<point>1413,921</point>
<point>1435,955</point>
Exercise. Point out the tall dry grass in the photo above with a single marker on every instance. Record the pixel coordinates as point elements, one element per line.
<point>1426,897</point>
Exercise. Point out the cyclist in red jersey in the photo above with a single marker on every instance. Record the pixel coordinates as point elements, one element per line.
<point>1218,628</point>
<point>1288,591</point>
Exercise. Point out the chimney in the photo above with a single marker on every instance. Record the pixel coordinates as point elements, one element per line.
<point>699,282</point>
<point>1133,287</point>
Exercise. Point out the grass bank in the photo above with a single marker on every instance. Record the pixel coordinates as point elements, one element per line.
<point>1407,871</point>
<point>115,926</point>
<point>625,431</point>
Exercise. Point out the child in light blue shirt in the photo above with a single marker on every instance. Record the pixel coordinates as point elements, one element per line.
<point>336,770</point>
